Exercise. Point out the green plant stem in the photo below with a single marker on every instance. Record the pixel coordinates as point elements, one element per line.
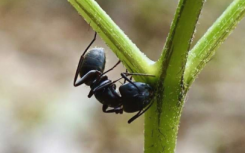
<point>174,71</point>
<point>133,59</point>
<point>205,48</point>
<point>162,120</point>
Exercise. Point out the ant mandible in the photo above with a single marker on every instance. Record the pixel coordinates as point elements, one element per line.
<point>134,96</point>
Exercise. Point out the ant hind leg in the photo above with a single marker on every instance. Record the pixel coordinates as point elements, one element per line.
<point>81,60</point>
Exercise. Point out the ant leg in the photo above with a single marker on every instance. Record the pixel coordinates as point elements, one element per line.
<point>77,71</point>
<point>125,79</point>
<point>81,60</point>
<point>98,88</point>
<point>111,68</point>
<point>95,34</point>
<point>129,78</point>
<point>139,114</point>
<point>114,110</point>
<point>90,74</point>
<point>124,75</point>
<point>106,84</point>
<point>100,76</point>
<point>140,74</point>
<point>134,117</point>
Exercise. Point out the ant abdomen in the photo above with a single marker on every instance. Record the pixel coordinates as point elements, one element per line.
<point>95,59</point>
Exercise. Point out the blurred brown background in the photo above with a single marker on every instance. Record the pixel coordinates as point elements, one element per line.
<point>41,111</point>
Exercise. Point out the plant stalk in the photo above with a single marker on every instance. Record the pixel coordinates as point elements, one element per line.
<point>129,54</point>
<point>162,120</point>
<point>205,48</point>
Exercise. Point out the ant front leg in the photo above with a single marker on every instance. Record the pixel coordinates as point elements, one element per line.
<point>100,87</point>
<point>124,76</point>
<point>103,74</point>
<point>111,68</point>
<point>81,61</point>
<point>117,110</point>
<point>131,77</point>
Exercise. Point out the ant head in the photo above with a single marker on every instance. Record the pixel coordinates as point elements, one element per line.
<point>143,89</point>
<point>135,99</point>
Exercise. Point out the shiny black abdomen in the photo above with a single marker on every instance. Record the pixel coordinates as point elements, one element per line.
<point>132,99</point>
<point>94,60</point>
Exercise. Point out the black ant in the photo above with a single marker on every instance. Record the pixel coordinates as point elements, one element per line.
<point>134,96</point>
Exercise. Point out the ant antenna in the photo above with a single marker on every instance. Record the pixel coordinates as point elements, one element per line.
<point>124,75</point>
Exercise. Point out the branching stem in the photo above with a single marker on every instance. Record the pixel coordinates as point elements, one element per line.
<point>175,70</point>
